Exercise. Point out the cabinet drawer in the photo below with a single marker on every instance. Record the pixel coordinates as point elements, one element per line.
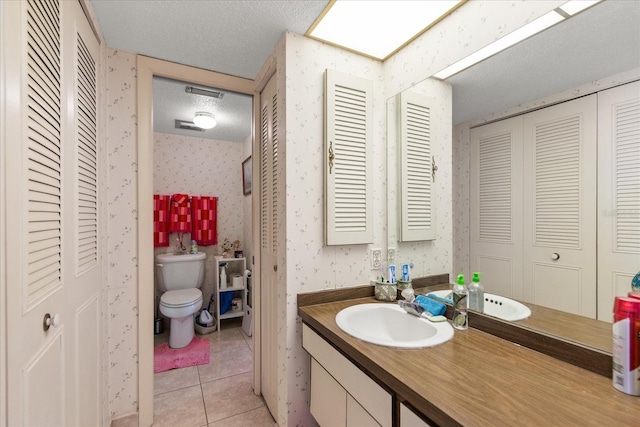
<point>357,416</point>
<point>373,398</point>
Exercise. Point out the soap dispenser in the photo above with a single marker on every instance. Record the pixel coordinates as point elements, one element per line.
<point>460,304</point>
<point>476,294</point>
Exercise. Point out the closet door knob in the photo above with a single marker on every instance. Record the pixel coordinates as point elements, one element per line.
<point>49,321</point>
<point>275,268</point>
<point>555,256</point>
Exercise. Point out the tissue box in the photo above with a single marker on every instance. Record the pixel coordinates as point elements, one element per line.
<point>386,291</point>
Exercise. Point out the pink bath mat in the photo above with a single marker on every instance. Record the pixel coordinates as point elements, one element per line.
<point>196,353</point>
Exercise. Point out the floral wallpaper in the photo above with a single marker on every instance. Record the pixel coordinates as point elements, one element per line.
<point>310,265</point>
<point>202,167</point>
<point>306,264</point>
<point>122,286</point>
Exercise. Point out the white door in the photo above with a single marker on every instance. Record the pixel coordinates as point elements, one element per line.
<point>618,193</point>
<point>560,207</point>
<point>51,215</point>
<point>496,206</point>
<point>268,245</point>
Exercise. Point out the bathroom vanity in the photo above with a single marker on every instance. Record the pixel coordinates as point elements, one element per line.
<point>475,379</point>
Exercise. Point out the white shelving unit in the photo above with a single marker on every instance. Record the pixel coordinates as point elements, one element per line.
<point>234,266</point>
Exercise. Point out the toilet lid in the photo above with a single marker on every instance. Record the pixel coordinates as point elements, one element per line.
<point>180,298</point>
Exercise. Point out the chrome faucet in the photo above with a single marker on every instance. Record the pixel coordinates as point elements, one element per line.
<point>419,311</point>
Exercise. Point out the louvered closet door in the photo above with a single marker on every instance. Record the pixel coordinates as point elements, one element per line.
<point>618,193</point>
<point>560,206</point>
<point>269,197</point>
<point>348,163</point>
<point>53,376</point>
<point>496,206</point>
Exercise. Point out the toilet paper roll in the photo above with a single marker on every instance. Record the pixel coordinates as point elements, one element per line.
<point>237,280</point>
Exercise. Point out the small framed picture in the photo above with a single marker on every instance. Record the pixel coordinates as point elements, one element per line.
<point>246,176</point>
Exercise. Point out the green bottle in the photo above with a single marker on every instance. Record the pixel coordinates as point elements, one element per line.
<point>476,294</point>
<point>460,320</point>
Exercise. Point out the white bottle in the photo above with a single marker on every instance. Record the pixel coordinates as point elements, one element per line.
<point>476,294</point>
<point>223,275</point>
<point>459,291</point>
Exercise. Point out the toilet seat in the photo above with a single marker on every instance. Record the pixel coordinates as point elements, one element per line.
<point>181,304</point>
<point>181,298</point>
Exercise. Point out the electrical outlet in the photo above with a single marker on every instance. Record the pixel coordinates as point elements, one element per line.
<point>391,255</point>
<point>376,258</point>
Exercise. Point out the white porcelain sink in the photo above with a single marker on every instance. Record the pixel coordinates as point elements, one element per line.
<point>497,306</point>
<point>389,325</point>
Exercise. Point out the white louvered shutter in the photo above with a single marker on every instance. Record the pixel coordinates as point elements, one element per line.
<point>626,145</point>
<point>44,150</point>
<point>87,158</point>
<point>274,174</point>
<point>557,182</point>
<point>494,184</point>
<point>347,159</point>
<point>415,177</point>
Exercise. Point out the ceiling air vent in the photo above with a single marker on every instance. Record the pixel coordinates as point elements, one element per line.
<point>205,92</point>
<point>182,124</point>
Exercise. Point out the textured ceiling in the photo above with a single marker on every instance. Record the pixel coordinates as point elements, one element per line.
<point>229,36</point>
<point>597,43</point>
<point>171,102</point>
<point>235,37</point>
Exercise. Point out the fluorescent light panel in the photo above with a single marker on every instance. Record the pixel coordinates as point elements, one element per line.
<point>378,28</point>
<point>522,33</point>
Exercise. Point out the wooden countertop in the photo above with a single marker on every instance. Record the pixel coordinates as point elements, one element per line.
<point>477,379</point>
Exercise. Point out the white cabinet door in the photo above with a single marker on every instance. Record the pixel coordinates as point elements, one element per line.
<point>618,193</point>
<point>409,419</point>
<point>417,219</point>
<point>496,206</point>
<point>357,416</point>
<point>328,398</point>
<point>348,162</point>
<point>560,206</point>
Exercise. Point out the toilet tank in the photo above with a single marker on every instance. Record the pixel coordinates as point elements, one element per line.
<point>175,272</point>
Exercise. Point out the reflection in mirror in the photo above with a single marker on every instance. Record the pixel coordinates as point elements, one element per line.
<point>579,56</point>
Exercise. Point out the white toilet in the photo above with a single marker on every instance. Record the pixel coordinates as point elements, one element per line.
<point>179,277</point>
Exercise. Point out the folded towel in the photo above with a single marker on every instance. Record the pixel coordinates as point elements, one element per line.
<point>434,307</point>
<point>441,299</point>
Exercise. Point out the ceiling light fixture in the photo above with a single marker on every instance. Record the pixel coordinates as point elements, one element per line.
<point>204,120</point>
<point>378,28</point>
<point>532,28</point>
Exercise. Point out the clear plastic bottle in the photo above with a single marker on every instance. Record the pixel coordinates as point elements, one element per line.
<point>476,294</point>
<point>460,320</point>
<point>223,275</point>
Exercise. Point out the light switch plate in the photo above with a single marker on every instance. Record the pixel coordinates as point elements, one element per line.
<point>376,258</point>
<point>391,255</point>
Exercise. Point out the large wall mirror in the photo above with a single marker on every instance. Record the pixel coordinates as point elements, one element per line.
<point>600,46</point>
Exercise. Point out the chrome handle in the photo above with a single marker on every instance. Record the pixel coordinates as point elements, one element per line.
<point>160,265</point>
<point>49,321</point>
<point>555,256</point>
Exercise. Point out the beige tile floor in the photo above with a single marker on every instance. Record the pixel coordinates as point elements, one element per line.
<point>214,395</point>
